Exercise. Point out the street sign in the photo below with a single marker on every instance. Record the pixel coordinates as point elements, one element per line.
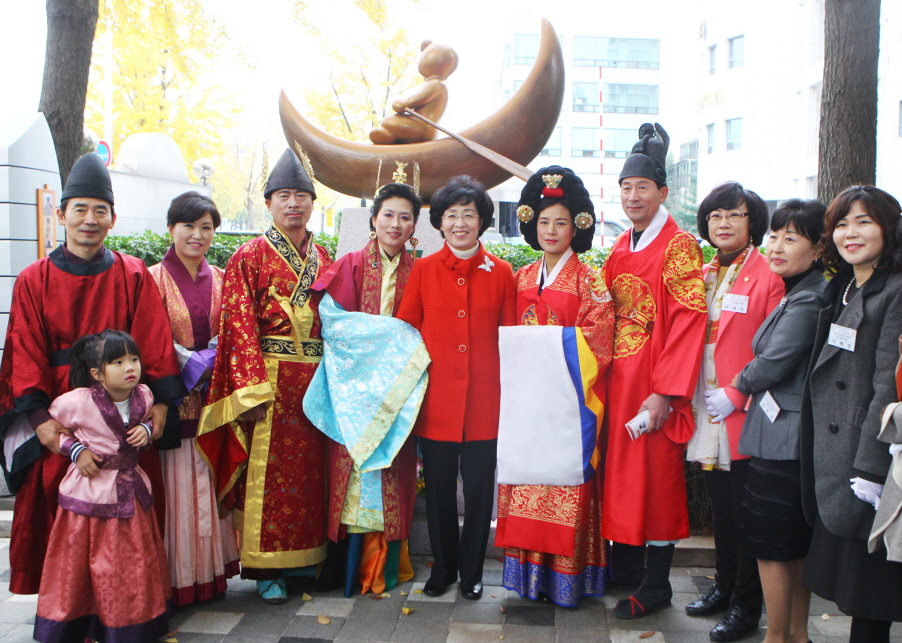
<point>104,152</point>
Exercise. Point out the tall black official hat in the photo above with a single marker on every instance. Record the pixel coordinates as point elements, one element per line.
<point>649,155</point>
<point>89,177</point>
<point>288,173</point>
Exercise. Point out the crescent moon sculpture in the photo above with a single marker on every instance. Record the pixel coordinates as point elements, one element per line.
<point>519,131</point>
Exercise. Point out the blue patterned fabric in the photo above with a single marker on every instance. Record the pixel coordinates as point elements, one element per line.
<point>366,393</point>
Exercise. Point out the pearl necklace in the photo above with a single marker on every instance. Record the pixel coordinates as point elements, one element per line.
<point>844,302</point>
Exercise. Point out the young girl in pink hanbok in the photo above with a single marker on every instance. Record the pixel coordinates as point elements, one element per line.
<point>105,577</point>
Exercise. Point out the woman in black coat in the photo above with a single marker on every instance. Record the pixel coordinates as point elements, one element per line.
<point>852,379</point>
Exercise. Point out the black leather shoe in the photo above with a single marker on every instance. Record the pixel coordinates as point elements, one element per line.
<point>737,623</point>
<point>712,602</point>
<point>435,587</point>
<point>471,592</point>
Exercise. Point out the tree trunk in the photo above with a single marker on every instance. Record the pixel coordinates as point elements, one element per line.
<point>67,62</point>
<point>847,152</point>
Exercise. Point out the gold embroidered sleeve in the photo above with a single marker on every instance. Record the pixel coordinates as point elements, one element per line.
<point>596,317</point>
<point>683,272</point>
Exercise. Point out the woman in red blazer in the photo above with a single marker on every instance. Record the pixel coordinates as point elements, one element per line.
<point>741,291</point>
<point>457,298</point>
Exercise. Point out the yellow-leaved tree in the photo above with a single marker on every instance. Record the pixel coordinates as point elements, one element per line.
<point>149,73</point>
<point>365,72</point>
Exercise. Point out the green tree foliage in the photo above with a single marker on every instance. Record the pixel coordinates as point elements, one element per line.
<point>154,54</point>
<point>365,74</point>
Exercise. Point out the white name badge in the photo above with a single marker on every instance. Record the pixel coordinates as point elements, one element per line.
<point>735,303</point>
<point>842,337</point>
<point>770,407</point>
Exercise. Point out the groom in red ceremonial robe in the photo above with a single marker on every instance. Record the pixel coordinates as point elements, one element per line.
<point>80,288</point>
<point>654,274</point>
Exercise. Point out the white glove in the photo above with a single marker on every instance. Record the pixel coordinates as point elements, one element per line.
<point>866,490</point>
<point>895,448</point>
<point>718,405</point>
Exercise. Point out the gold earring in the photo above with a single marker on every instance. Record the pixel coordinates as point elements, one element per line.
<point>413,245</point>
<point>373,235</point>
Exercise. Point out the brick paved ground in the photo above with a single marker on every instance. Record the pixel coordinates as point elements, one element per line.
<point>242,617</point>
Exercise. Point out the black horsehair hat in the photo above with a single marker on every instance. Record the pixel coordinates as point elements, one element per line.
<point>551,185</point>
<point>648,158</point>
<point>90,178</point>
<point>289,174</point>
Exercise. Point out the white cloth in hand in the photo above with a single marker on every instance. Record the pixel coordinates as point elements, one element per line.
<point>718,405</point>
<point>866,490</point>
<point>895,448</point>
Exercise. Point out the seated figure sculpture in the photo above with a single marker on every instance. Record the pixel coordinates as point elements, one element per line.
<point>437,62</point>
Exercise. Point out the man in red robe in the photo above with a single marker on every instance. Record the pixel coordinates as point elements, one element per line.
<point>80,288</point>
<point>268,460</point>
<point>654,274</point>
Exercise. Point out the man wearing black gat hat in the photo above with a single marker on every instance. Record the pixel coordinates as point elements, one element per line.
<point>654,274</point>
<point>269,347</point>
<point>80,288</point>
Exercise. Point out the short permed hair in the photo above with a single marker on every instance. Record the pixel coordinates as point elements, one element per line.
<point>727,196</point>
<point>459,191</point>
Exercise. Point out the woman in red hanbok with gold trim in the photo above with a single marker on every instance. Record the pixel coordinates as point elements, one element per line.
<point>202,549</point>
<point>551,535</point>
<point>372,281</point>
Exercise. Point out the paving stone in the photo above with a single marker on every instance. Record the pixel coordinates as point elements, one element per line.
<point>630,636</point>
<point>367,629</point>
<point>474,633</point>
<point>204,622</point>
<point>477,612</point>
<point>6,628</point>
<point>382,609</point>
<point>679,621</point>
<point>17,612</point>
<point>332,607</point>
<point>582,635</point>
<point>683,583</point>
<point>495,594</point>
<point>194,637</point>
<point>529,615</point>
<point>529,634</point>
<point>22,634</point>
<point>702,582</point>
<point>686,637</point>
<point>590,613</point>
<point>295,639</point>
<point>411,630</point>
<point>307,627</point>
<point>834,626</point>
<point>423,611</point>
<point>244,638</point>
<point>262,624</point>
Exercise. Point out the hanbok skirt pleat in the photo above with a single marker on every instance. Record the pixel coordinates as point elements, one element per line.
<point>202,548</point>
<point>104,579</point>
<point>376,564</point>
<point>563,579</point>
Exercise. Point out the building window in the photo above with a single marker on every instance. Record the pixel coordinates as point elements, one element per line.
<point>526,48</point>
<point>630,99</point>
<point>631,53</point>
<point>734,134</point>
<point>507,95</point>
<point>507,56</point>
<point>737,51</point>
<point>618,143</point>
<point>709,132</point>
<point>553,146</point>
<point>517,84</point>
<point>712,58</point>
<point>900,118</point>
<point>585,97</point>
<point>585,142</point>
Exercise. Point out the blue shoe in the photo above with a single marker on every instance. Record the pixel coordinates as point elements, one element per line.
<point>274,592</point>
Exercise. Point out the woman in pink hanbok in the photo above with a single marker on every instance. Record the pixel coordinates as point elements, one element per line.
<point>202,548</point>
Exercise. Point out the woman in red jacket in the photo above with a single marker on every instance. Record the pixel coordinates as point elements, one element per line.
<point>741,291</point>
<point>457,298</point>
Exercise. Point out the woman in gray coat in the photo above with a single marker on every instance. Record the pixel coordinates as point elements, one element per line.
<point>773,526</point>
<point>852,380</point>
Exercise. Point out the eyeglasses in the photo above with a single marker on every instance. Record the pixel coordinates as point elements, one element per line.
<point>467,218</point>
<point>733,217</point>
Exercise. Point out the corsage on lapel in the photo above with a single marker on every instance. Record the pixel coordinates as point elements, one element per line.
<point>487,264</point>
